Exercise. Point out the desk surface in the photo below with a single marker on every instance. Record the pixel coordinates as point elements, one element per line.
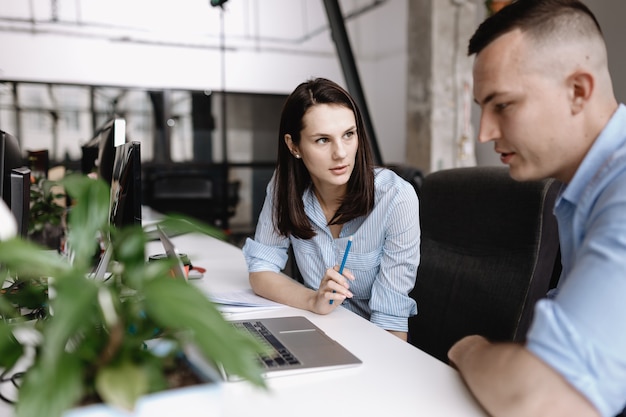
<point>395,379</point>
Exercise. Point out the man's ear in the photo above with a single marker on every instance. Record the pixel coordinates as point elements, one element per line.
<point>581,85</point>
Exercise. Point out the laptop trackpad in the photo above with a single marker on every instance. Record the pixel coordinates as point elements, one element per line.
<point>304,338</point>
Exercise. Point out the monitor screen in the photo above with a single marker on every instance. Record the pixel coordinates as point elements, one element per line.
<point>125,206</point>
<point>99,153</point>
<point>10,158</point>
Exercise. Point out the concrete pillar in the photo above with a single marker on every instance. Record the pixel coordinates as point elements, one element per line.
<point>439,89</point>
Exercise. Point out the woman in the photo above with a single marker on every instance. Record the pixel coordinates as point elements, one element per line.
<point>324,191</point>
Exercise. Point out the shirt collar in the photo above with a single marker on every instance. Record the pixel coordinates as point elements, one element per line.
<point>313,209</point>
<point>612,137</point>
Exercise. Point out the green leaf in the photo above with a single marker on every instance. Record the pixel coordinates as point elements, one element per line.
<point>74,305</point>
<point>179,224</point>
<point>88,216</point>
<point>48,390</point>
<point>122,385</point>
<point>30,293</point>
<point>130,246</point>
<point>177,305</point>
<point>10,349</point>
<point>25,258</point>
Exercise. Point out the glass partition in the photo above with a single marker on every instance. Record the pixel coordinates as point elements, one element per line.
<point>234,134</point>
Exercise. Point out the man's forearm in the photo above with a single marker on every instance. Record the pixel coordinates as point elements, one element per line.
<point>510,381</point>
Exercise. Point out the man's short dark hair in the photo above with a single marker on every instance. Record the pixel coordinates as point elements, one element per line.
<point>537,17</point>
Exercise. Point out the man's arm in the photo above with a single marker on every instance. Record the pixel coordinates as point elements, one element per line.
<point>508,380</point>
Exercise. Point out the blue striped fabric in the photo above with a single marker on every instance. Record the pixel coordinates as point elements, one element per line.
<point>383,258</point>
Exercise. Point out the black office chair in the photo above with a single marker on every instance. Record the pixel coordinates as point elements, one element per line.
<point>202,191</point>
<point>489,251</point>
<point>411,174</point>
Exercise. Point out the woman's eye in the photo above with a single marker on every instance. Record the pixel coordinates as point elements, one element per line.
<point>349,134</point>
<point>322,140</point>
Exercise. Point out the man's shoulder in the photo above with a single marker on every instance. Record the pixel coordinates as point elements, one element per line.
<point>612,174</point>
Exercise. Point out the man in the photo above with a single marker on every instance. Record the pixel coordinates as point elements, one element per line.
<point>542,82</point>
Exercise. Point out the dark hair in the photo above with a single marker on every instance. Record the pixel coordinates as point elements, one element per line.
<point>537,17</point>
<point>292,178</point>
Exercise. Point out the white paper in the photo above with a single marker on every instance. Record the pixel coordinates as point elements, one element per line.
<point>241,300</point>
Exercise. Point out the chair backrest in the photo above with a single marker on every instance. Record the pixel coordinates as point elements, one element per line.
<point>489,251</point>
<point>412,175</point>
<point>202,191</point>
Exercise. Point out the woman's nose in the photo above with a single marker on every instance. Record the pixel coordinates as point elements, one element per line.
<point>340,150</point>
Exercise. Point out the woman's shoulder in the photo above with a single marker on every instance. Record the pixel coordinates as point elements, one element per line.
<point>386,177</point>
<point>388,182</point>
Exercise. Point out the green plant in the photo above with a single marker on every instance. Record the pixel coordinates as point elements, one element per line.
<point>93,342</point>
<point>46,216</point>
<point>494,6</point>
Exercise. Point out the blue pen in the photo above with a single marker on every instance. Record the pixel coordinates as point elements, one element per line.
<point>343,261</point>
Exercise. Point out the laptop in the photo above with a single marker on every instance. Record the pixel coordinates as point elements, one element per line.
<point>178,269</point>
<point>296,346</point>
<point>101,272</point>
<point>171,252</point>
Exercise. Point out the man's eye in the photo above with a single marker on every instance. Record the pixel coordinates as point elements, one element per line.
<point>501,106</point>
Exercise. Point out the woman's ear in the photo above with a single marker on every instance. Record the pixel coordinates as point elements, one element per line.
<point>581,86</point>
<point>290,145</point>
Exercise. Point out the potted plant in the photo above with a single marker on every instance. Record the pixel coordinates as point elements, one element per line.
<point>46,217</point>
<point>92,342</point>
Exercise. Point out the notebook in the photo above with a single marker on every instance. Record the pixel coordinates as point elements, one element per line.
<point>298,347</point>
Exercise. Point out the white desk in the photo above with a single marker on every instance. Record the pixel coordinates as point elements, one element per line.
<point>395,379</point>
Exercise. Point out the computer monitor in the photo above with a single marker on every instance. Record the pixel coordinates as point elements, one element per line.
<point>88,159</point>
<point>125,208</point>
<point>99,152</point>
<point>20,198</point>
<point>10,157</point>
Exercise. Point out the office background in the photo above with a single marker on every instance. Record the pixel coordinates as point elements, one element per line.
<point>239,62</point>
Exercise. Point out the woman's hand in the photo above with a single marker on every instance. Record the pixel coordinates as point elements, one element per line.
<point>334,286</point>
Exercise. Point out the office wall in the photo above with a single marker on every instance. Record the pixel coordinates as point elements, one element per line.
<point>166,44</point>
<point>611,15</point>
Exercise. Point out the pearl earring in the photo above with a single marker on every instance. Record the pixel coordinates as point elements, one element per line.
<point>297,155</point>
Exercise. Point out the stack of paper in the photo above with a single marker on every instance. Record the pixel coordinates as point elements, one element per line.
<point>241,301</point>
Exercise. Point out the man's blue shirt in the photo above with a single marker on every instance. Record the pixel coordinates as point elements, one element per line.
<point>581,331</point>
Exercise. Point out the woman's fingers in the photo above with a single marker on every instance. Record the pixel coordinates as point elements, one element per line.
<point>346,273</point>
<point>337,283</point>
<point>338,288</point>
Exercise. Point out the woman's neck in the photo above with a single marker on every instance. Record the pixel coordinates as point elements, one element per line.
<point>330,200</point>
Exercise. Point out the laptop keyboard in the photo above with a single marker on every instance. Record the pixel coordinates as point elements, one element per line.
<point>277,354</point>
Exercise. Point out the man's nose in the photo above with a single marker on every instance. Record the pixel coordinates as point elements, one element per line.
<point>488,129</point>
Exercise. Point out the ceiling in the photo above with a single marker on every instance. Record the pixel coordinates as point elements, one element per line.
<point>292,26</point>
